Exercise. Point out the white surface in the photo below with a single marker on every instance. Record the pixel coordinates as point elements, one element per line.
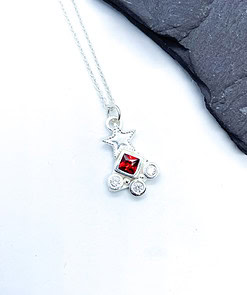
<point>61,232</point>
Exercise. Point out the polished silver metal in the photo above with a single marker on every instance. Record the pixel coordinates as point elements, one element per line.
<point>136,183</point>
<point>107,99</point>
<point>115,182</point>
<point>137,187</point>
<point>114,111</point>
<point>112,123</point>
<point>119,140</point>
<point>134,154</point>
<point>154,170</point>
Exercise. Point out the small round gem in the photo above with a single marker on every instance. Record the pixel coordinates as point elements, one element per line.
<point>151,170</point>
<point>137,187</point>
<point>115,182</point>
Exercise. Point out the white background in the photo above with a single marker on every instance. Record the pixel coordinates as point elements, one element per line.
<point>61,231</point>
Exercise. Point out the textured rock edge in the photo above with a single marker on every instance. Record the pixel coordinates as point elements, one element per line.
<point>172,47</point>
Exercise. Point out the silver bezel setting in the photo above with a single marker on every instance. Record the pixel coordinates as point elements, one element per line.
<point>118,187</point>
<point>132,190</point>
<point>136,183</point>
<point>134,154</point>
<point>119,140</point>
<point>148,164</point>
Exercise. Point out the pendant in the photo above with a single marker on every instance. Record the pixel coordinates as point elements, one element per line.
<point>131,170</point>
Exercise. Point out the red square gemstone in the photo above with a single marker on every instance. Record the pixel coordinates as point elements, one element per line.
<point>129,164</point>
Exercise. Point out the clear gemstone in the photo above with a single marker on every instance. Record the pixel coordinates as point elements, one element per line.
<point>151,170</point>
<point>137,187</point>
<point>115,182</point>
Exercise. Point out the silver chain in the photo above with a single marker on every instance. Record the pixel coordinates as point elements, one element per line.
<point>107,100</point>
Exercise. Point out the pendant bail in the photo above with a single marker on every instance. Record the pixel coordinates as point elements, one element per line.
<point>114,111</point>
<point>113,123</point>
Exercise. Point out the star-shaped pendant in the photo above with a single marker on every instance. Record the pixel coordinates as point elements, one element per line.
<point>120,140</point>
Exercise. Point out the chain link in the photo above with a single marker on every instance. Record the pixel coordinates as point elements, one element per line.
<point>107,100</point>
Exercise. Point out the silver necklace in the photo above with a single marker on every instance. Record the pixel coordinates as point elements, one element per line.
<point>131,170</point>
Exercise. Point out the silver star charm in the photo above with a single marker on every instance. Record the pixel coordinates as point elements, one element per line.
<point>120,140</point>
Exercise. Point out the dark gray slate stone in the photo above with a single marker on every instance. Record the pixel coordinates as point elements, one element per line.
<point>209,39</point>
